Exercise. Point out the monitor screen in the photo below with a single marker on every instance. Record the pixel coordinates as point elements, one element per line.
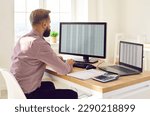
<point>87,39</point>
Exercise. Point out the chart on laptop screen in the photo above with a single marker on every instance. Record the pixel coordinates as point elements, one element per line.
<point>131,54</point>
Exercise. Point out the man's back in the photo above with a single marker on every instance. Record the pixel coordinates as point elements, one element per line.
<point>26,66</point>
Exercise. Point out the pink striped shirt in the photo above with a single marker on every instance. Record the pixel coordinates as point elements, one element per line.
<point>30,57</point>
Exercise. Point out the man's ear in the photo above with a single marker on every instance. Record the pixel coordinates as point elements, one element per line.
<point>44,25</point>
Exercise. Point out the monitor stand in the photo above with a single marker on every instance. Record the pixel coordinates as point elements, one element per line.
<point>86,60</point>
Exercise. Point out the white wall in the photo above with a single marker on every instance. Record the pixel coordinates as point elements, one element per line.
<point>6,31</point>
<point>81,10</point>
<point>6,35</point>
<point>85,10</point>
<point>92,10</point>
<point>135,18</point>
<point>109,11</point>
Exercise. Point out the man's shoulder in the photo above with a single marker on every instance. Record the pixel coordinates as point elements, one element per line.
<point>27,39</point>
<point>34,41</point>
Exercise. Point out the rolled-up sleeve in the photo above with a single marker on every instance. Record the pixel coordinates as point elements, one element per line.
<point>49,57</point>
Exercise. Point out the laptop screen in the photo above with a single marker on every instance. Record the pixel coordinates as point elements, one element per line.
<point>131,54</point>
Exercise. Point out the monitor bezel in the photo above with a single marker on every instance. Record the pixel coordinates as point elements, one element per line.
<point>87,23</point>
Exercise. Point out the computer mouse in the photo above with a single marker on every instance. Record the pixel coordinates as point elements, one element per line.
<point>89,66</point>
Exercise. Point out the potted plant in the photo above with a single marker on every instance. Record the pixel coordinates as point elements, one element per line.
<point>54,35</point>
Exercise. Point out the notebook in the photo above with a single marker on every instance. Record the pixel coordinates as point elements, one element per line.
<point>130,59</point>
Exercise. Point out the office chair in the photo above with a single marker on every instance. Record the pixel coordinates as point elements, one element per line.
<point>14,90</point>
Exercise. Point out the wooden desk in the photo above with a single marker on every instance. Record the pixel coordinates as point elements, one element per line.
<point>140,80</point>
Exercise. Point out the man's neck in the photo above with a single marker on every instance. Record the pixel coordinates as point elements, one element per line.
<point>38,31</point>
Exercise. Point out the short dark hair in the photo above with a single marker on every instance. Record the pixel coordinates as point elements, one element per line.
<point>38,15</point>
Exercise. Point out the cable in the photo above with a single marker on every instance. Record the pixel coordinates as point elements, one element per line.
<point>99,63</point>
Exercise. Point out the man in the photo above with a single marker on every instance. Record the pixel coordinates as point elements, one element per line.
<point>30,57</point>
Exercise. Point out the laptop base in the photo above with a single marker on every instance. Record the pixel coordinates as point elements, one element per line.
<point>119,72</point>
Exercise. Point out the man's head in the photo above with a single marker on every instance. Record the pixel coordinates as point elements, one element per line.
<point>40,19</point>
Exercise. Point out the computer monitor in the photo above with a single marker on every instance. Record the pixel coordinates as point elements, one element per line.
<point>87,39</point>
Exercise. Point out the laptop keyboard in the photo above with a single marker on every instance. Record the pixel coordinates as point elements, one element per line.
<point>123,69</point>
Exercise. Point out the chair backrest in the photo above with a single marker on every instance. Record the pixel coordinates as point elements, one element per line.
<point>14,90</point>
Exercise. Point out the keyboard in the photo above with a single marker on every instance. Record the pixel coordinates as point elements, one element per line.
<point>122,69</point>
<point>80,65</point>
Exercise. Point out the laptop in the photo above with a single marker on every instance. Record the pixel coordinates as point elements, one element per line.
<point>130,59</point>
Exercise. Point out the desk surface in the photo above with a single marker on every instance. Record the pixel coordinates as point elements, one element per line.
<point>105,87</point>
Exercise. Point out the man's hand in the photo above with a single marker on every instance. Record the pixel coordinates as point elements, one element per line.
<point>70,61</point>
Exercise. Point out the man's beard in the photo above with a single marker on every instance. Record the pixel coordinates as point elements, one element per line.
<point>47,32</point>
